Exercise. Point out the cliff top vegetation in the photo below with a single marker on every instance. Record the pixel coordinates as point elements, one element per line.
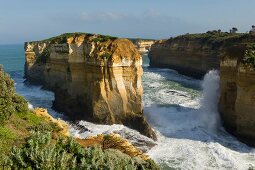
<point>64,37</point>
<point>216,38</point>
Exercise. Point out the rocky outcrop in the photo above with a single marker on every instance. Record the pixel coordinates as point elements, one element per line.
<point>143,46</point>
<point>237,82</point>
<point>113,141</point>
<point>62,126</point>
<point>94,77</point>
<point>193,54</point>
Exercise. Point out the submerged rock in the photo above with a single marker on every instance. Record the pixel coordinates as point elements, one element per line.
<point>94,77</point>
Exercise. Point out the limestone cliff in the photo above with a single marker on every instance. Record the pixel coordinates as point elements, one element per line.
<point>94,77</point>
<point>143,46</point>
<point>193,54</point>
<point>237,101</point>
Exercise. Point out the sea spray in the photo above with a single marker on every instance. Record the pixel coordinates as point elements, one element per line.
<point>210,99</point>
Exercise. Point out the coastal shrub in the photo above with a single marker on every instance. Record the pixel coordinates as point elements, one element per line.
<point>249,56</point>
<point>43,57</point>
<point>42,152</point>
<point>10,102</point>
<point>103,38</point>
<point>105,56</point>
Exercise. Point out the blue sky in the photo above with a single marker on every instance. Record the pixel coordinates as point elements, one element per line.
<point>26,20</point>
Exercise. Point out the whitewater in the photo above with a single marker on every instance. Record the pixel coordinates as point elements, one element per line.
<point>182,111</point>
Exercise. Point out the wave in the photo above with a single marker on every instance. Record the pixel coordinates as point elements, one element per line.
<point>183,112</point>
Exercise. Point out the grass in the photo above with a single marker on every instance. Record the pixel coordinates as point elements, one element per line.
<point>61,39</point>
<point>215,38</point>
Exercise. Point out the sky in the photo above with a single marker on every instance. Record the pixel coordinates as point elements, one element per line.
<point>27,20</point>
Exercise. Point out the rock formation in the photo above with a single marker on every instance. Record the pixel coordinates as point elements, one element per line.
<point>94,77</point>
<point>143,46</point>
<point>193,54</point>
<point>237,101</point>
<point>113,141</point>
<point>63,126</point>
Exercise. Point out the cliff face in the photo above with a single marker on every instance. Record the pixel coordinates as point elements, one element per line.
<point>238,95</point>
<point>194,54</point>
<point>143,46</point>
<point>189,57</point>
<point>94,77</point>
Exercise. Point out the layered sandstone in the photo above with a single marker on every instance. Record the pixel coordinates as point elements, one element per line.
<point>143,46</point>
<point>193,54</point>
<point>237,101</point>
<point>113,141</point>
<point>94,77</point>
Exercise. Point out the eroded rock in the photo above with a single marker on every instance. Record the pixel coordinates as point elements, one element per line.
<point>94,77</point>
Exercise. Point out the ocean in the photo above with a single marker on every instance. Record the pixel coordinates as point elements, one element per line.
<point>182,110</point>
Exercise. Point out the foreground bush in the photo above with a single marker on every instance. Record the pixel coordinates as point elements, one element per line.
<point>10,102</point>
<point>41,151</point>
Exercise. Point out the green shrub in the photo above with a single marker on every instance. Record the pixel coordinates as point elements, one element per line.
<point>41,152</point>
<point>105,56</point>
<point>103,38</point>
<point>249,56</point>
<point>10,102</point>
<point>43,57</point>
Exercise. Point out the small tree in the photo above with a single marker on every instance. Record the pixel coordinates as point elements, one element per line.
<point>252,29</point>
<point>233,30</point>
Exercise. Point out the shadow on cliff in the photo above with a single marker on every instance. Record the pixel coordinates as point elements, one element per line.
<point>175,121</point>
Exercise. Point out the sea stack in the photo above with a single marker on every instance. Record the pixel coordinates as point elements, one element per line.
<point>94,77</point>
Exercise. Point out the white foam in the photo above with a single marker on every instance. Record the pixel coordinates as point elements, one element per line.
<point>184,117</point>
<point>190,135</point>
<point>30,106</point>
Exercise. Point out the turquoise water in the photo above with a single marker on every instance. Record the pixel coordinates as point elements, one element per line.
<point>178,107</point>
<point>12,57</point>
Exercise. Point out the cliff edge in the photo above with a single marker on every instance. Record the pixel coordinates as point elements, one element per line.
<point>194,54</point>
<point>94,77</point>
<point>237,82</point>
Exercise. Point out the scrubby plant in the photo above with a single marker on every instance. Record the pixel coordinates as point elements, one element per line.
<point>249,56</point>
<point>103,38</point>
<point>105,56</point>
<point>44,56</point>
<point>42,152</point>
<point>10,102</point>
